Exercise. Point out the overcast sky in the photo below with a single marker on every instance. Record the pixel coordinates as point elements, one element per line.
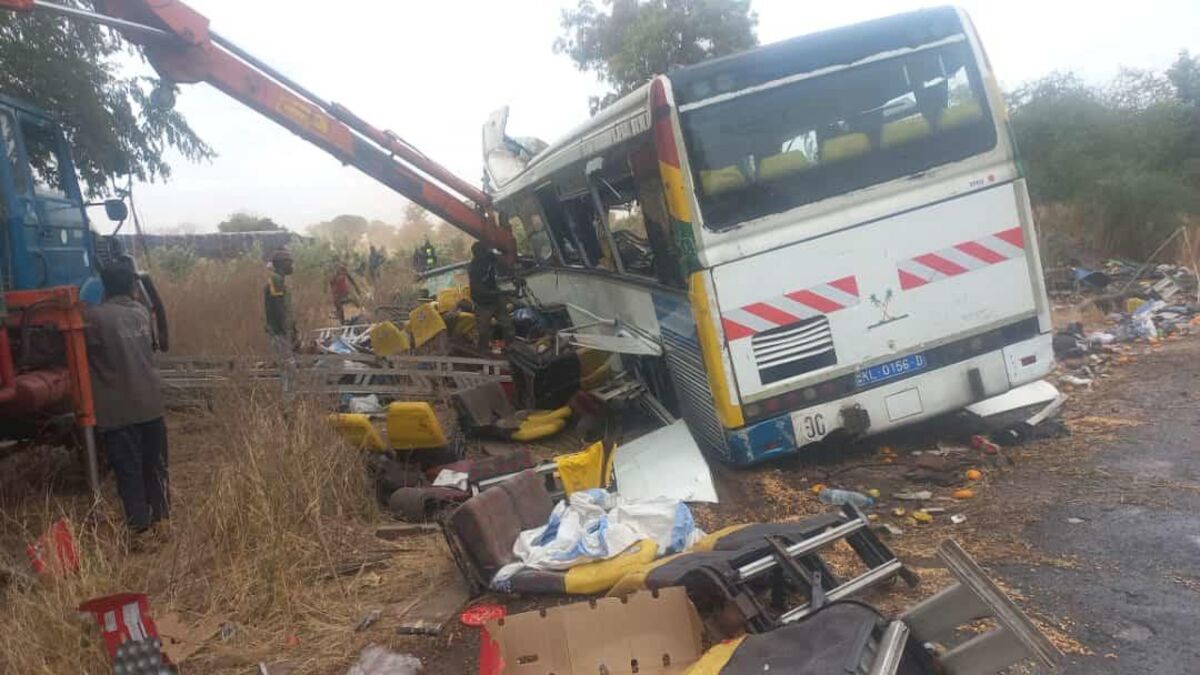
<point>433,71</point>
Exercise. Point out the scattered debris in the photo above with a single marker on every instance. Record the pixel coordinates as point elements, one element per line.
<point>958,519</point>
<point>376,660</point>
<point>837,497</point>
<point>478,615</point>
<point>665,463</point>
<point>392,532</point>
<point>368,620</point>
<point>431,612</point>
<point>1075,521</point>
<point>180,639</point>
<point>922,516</point>
<point>918,496</point>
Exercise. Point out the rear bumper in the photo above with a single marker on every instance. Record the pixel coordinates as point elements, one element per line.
<point>938,391</point>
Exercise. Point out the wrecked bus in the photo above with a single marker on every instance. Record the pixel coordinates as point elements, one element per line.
<point>829,236</point>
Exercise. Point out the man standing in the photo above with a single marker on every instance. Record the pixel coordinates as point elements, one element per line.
<point>128,398</point>
<point>485,293</point>
<point>339,286</point>
<point>281,325</point>
<point>429,255</point>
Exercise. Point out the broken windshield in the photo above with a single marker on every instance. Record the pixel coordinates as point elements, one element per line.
<point>779,146</point>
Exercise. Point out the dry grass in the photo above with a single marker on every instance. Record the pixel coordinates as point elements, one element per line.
<point>266,506</point>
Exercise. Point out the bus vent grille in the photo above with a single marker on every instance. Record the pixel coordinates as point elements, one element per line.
<point>794,349</point>
<point>691,386</point>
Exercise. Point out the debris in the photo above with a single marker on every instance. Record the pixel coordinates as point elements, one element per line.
<point>1075,381</point>
<point>181,640</point>
<point>839,497</point>
<point>922,516</point>
<point>817,488</point>
<point>918,496</point>
<point>368,620</point>
<point>934,510</point>
<point>964,493</point>
<point>478,615</point>
<point>54,554</point>
<point>873,493</point>
<point>376,660</point>
<point>899,511</point>
<point>958,519</point>
<point>430,613</point>
<point>121,617</point>
<point>364,404</point>
<point>664,463</point>
<point>1075,521</point>
<point>974,475</point>
<point>891,529</point>
<point>141,657</point>
<point>405,530</point>
<point>605,635</point>
<point>451,478</point>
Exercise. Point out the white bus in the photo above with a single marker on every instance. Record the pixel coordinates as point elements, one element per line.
<point>826,235</point>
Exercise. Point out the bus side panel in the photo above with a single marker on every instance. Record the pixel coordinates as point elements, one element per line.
<point>874,292</point>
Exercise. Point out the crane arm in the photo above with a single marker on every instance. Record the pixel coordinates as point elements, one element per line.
<point>181,47</point>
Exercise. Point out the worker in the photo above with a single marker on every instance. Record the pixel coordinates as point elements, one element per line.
<point>375,261</point>
<point>128,398</point>
<point>428,255</point>
<point>280,324</point>
<point>485,293</point>
<point>339,287</point>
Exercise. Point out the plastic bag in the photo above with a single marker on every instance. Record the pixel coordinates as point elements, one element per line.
<point>376,660</point>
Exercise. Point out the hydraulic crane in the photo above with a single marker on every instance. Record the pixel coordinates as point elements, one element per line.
<point>182,48</point>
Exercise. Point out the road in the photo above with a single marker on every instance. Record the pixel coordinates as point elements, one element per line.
<point>1134,598</point>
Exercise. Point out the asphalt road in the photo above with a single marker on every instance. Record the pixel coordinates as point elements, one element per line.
<point>1134,599</point>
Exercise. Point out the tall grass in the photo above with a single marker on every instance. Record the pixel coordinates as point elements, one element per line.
<point>267,505</point>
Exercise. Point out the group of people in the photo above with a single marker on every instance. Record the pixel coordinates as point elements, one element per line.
<point>127,390</point>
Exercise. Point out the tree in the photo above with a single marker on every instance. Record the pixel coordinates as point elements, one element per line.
<point>242,221</point>
<point>639,39</point>
<point>344,231</point>
<point>74,70</point>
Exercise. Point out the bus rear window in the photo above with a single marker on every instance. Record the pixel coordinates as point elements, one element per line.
<point>783,146</point>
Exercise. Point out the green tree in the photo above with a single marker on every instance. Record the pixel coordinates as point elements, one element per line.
<point>638,39</point>
<point>344,231</point>
<point>77,71</point>
<point>247,222</point>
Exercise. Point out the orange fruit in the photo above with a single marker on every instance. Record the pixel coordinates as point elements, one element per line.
<point>964,494</point>
<point>974,474</point>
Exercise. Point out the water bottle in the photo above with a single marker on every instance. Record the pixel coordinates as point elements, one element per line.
<point>840,497</point>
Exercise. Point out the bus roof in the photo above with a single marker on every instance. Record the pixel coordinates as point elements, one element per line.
<point>805,53</point>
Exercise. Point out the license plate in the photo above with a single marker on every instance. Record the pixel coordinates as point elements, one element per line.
<point>813,424</point>
<point>890,370</point>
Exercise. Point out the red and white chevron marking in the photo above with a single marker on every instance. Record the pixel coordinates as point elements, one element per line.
<point>961,258</point>
<point>789,308</point>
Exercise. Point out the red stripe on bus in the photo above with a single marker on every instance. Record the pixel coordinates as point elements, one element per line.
<point>937,262</point>
<point>977,250</point>
<point>773,314</point>
<point>1013,236</point>
<point>846,285</point>
<point>817,302</point>
<point>735,330</point>
<point>909,280</point>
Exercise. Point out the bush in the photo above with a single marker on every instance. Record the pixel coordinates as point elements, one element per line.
<point>174,261</point>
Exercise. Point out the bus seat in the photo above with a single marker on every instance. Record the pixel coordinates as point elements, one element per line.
<point>782,165</point>
<point>447,299</point>
<point>357,430</point>
<point>466,293</point>
<point>959,114</point>
<point>412,424</point>
<point>846,146</point>
<point>425,323</point>
<point>722,180</point>
<point>904,130</point>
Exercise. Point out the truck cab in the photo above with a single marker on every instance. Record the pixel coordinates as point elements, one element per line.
<point>44,235</point>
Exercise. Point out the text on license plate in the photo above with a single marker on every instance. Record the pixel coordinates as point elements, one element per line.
<point>890,370</point>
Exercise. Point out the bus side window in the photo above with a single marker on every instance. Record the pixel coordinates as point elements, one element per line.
<point>532,239</point>
<point>569,246</point>
<point>655,219</point>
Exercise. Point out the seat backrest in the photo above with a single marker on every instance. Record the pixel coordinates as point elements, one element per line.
<point>487,525</point>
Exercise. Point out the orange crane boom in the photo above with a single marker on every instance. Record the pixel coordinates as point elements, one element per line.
<point>183,49</point>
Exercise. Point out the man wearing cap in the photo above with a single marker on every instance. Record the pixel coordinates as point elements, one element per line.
<point>277,309</point>
<point>128,398</point>
<point>483,274</point>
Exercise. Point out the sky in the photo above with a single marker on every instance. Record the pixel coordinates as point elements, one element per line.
<point>433,71</point>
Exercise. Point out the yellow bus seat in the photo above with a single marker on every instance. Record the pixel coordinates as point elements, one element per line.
<point>599,576</point>
<point>388,339</point>
<point>959,114</point>
<point>783,165</point>
<point>538,428</point>
<point>425,323</point>
<point>412,424</point>
<point>716,181</point>
<point>463,325</point>
<point>585,469</point>
<point>844,147</point>
<point>904,130</point>
<point>447,299</point>
<point>357,430</point>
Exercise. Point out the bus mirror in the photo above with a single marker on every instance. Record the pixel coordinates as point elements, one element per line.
<point>116,210</point>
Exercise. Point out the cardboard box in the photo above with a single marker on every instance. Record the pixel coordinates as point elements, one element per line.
<point>649,633</point>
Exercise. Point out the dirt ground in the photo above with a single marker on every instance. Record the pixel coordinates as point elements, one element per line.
<point>1094,532</point>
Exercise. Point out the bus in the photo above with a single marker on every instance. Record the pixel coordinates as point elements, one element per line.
<point>829,236</point>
